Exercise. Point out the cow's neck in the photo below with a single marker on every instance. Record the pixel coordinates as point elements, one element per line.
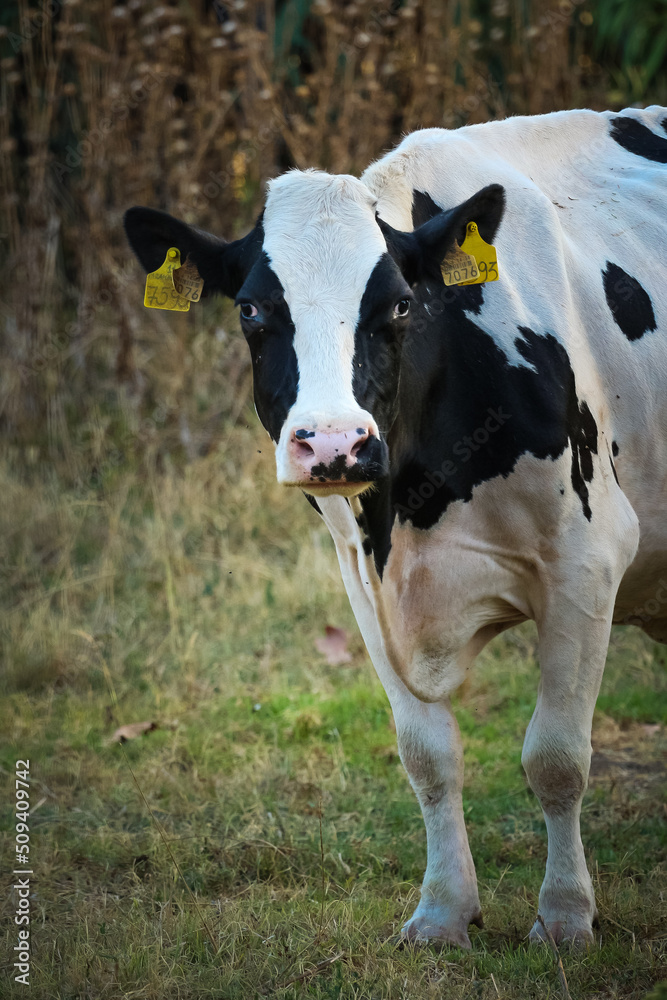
<point>466,415</point>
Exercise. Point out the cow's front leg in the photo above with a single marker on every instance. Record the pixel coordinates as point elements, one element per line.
<point>430,746</point>
<point>557,754</point>
<point>432,753</point>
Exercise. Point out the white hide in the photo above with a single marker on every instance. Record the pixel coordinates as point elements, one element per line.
<point>323,243</point>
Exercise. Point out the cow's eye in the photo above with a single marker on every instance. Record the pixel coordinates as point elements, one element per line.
<point>248,310</point>
<point>402,307</point>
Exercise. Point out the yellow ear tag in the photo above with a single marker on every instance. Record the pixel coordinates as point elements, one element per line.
<point>160,292</point>
<point>484,254</point>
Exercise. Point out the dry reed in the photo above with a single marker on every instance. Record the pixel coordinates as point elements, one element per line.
<point>191,108</point>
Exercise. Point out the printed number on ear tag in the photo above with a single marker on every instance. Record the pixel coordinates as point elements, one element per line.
<point>484,254</point>
<point>160,292</point>
<point>458,267</point>
<point>187,281</point>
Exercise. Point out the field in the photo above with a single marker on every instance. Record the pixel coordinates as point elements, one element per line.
<point>262,839</point>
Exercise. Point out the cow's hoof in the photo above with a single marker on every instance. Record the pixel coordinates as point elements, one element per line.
<point>575,933</point>
<point>424,929</point>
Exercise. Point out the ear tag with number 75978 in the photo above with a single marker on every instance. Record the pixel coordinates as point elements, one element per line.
<point>160,292</point>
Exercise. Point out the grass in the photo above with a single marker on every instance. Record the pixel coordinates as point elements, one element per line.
<point>192,598</point>
<point>138,588</point>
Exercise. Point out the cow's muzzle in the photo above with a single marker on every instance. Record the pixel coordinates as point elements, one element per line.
<point>338,461</point>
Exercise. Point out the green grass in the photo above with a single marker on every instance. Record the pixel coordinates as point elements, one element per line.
<point>193,599</point>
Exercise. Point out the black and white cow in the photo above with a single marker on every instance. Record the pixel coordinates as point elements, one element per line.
<point>481,454</point>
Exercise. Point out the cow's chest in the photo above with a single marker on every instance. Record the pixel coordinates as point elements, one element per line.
<point>442,595</point>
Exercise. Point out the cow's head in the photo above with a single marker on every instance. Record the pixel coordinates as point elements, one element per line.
<point>325,290</point>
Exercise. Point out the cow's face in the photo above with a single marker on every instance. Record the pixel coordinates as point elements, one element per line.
<point>322,293</point>
<point>324,289</point>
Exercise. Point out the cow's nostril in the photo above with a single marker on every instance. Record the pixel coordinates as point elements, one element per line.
<point>303,448</point>
<point>305,451</point>
<point>358,445</point>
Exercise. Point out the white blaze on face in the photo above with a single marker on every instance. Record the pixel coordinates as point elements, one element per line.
<point>323,242</point>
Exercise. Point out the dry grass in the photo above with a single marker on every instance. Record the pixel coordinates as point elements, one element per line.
<point>192,598</point>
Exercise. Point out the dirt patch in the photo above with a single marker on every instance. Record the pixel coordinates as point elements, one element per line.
<point>628,753</point>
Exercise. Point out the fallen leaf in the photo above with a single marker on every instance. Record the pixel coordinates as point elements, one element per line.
<point>333,646</point>
<point>131,731</point>
<point>651,728</point>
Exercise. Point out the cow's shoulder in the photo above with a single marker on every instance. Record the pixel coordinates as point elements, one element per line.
<point>451,163</point>
<point>563,155</point>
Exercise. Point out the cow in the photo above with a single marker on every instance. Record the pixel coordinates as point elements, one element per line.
<point>483,454</point>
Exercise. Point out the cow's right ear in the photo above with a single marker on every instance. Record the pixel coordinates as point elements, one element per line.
<point>223,266</point>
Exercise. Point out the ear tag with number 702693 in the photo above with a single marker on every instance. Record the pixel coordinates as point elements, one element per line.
<point>473,263</point>
<point>172,286</point>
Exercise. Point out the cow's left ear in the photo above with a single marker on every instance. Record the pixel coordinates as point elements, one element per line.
<point>223,266</point>
<point>420,253</point>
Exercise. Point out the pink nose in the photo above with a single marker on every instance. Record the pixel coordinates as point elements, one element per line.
<point>325,455</point>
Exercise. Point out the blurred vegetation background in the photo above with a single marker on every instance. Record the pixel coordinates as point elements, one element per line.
<point>190,107</point>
